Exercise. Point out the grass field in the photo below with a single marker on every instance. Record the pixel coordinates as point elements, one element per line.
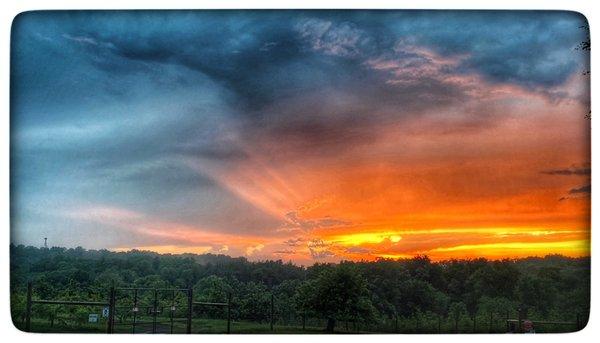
<point>219,326</point>
<point>199,326</point>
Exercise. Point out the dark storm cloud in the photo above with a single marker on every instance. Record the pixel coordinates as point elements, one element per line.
<point>265,60</point>
<point>325,120</point>
<point>283,72</point>
<point>229,47</point>
<point>574,170</point>
<point>581,190</point>
<point>262,56</point>
<point>569,171</point>
<point>578,192</point>
<point>533,49</point>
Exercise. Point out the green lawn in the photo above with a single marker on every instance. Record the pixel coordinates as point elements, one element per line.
<point>200,326</point>
<point>219,326</point>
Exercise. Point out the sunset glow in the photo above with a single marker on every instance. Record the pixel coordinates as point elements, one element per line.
<point>316,138</point>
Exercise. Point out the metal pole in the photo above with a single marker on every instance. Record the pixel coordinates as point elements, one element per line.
<point>172,309</point>
<point>272,314</point>
<point>229,312</point>
<point>507,323</point>
<point>155,309</point>
<point>439,323</point>
<point>111,310</point>
<point>456,323</point>
<point>520,319</point>
<point>303,320</point>
<point>491,321</point>
<point>189,310</point>
<point>135,309</point>
<point>28,309</point>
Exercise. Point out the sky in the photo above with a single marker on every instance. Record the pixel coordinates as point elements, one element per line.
<point>308,136</point>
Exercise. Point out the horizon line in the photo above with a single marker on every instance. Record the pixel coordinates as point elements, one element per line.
<point>377,259</point>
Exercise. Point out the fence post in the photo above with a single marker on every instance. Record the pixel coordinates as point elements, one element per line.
<point>520,319</point>
<point>154,310</point>
<point>507,323</point>
<point>111,310</point>
<point>28,308</point>
<point>439,323</point>
<point>579,326</point>
<point>172,309</point>
<point>135,309</point>
<point>272,308</point>
<point>189,311</point>
<point>304,321</point>
<point>229,312</point>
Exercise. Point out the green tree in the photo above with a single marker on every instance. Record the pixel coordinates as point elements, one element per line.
<point>495,307</point>
<point>415,295</point>
<point>285,300</point>
<point>536,293</point>
<point>341,292</point>
<point>457,311</point>
<point>255,302</point>
<point>212,289</point>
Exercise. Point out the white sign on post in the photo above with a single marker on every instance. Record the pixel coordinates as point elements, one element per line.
<point>93,318</point>
<point>105,312</point>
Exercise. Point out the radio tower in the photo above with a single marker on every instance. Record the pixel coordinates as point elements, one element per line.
<point>45,242</point>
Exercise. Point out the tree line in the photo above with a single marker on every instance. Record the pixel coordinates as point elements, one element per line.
<point>368,293</point>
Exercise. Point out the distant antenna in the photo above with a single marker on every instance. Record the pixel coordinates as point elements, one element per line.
<point>45,242</point>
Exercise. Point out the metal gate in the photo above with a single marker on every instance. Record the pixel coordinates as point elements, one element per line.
<point>151,310</point>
